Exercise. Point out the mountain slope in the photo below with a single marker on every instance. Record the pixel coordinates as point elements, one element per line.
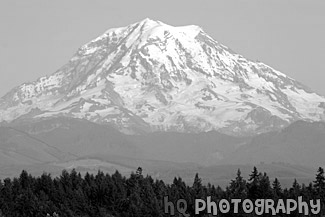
<point>62,140</point>
<point>82,138</point>
<point>299,143</point>
<point>150,76</point>
<point>20,148</point>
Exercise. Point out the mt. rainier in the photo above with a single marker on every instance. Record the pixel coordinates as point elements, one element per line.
<point>150,76</point>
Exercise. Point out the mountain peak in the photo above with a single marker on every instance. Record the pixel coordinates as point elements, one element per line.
<point>149,24</point>
<point>148,21</point>
<point>155,23</point>
<point>139,33</point>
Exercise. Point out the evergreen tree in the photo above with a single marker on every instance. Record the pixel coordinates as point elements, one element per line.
<point>264,187</point>
<point>253,185</point>
<point>197,187</point>
<point>237,190</point>
<point>319,187</point>
<point>295,189</point>
<point>238,187</point>
<point>277,190</point>
<point>254,176</point>
<point>319,183</point>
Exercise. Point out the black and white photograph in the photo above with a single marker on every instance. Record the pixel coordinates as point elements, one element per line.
<point>162,108</point>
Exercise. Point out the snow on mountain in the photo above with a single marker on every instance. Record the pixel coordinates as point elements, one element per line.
<point>151,76</point>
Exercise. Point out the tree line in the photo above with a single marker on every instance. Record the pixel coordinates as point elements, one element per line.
<point>114,195</point>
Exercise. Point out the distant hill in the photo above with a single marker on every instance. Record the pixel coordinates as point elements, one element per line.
<point>65,143</point>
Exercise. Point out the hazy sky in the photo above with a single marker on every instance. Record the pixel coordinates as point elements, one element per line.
<point>39,36</point>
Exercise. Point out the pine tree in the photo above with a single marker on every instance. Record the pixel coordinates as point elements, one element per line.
<point>319,187</point>
<point>295,189</point>
<point>253,185</point>
<point>237,190</point>
<point>197,187</point>
<point>254,176</point>
<point>319,183</point>
<point>277,190</point>
<point>238,187</point>
<point>264,187</point>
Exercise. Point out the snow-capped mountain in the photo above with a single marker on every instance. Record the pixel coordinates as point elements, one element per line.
<point>151,76</point>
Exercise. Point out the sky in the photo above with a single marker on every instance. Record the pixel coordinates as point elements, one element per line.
<point>37,37</point>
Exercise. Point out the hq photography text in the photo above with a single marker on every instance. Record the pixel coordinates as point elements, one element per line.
<point>259,206</point>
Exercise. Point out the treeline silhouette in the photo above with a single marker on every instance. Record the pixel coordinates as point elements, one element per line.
<point>105,195</point>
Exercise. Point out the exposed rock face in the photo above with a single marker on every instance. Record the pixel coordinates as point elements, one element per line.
<point>150,76</point>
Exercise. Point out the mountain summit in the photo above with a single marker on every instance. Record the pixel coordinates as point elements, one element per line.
<point>150,76</point>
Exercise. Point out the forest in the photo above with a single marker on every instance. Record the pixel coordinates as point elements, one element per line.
<point>113,195</point>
